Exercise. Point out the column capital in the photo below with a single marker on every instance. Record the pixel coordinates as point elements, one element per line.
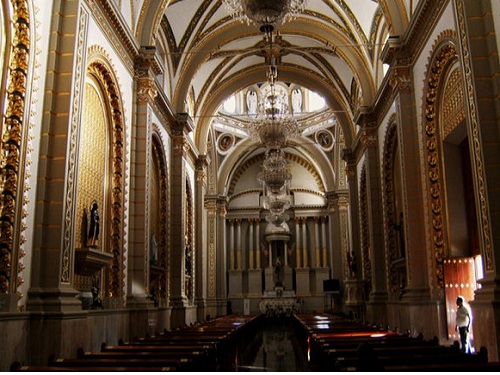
<point>201,164</point>
<point>146,86</point>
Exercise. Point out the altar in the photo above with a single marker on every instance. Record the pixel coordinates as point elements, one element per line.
<point>279,302</point>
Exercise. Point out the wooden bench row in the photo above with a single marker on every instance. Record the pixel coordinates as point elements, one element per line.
<point>337,344</point>
<point>194,348</point>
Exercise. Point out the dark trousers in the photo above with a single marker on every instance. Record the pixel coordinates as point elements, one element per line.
<point>463,338</point>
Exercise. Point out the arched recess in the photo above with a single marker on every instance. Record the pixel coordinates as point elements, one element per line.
<point>18,43</point>
<point>159,225</point>
<point>365,232</point>
<point>394,213</point>
<point>101,173</point>
<point>443,72</point>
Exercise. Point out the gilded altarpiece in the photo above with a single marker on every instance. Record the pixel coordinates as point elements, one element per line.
<point>92,172</point>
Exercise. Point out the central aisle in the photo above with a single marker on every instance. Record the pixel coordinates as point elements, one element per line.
<point>275,347</point>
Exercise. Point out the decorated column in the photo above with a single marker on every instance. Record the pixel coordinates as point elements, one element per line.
<point>180,133</point>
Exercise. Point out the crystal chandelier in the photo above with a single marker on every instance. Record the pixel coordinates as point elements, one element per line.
<point>277,204</point>
<point>265,12</point>
<point>273,125</point>
<point>275,174</point>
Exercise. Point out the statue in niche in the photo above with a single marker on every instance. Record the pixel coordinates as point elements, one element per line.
<point>278,273</point>
<point>187,258</point>
<point>252,102</point>
<point>153,250</point>
<point>400,229</point>
<point>94,226</point>
<point>352,263</point>
<point>296,101</point>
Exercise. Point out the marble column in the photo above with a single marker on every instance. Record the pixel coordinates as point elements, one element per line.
<point>298,264</point>
<point>221,257</point>
<point>181,128</point>
<point>251,250</point>
<point>378,294</point>
<point>137,275</point>
<point>257,242</point>
<point>239,244</point>
<point>305,255</point>
<point>231,244</point>
<point>200,253</point>
<point>323,242</point>
<point>317,244</point>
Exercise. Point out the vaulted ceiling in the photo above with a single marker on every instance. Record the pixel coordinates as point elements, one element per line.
<point>332,48</point>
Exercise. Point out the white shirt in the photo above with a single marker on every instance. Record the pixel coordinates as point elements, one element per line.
<point>463,316</point>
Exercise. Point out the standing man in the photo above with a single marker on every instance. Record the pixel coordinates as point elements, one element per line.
<point>462,324</point>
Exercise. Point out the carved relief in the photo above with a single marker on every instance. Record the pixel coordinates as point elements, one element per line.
<point>441,60</point>
<point>476,152</point>
<point>12,135</point>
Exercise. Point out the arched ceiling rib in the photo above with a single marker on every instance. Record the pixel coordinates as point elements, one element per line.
<point>330,48</point>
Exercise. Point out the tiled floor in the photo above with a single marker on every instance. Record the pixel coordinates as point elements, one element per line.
<point>275,348</point>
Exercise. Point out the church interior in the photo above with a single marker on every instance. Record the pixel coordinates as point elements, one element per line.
<point>166,164</point>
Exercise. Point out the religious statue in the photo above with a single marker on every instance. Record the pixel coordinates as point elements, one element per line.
<point>252,102</point>
<point>187,258</point>
<point>296,101</point>
<point>153,250</point>
<point>352,263</point>
<point>278,273</point>
<point>400,229</point>
<point>94,226</point>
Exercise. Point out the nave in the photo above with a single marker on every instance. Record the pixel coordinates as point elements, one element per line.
<point>301,343</point>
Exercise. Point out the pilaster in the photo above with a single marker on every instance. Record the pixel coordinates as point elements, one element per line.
<point>180,130</point>
<point>138,278</point>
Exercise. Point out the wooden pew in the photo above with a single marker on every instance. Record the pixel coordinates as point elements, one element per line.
<point>336,345</point>
<point>16,366</point>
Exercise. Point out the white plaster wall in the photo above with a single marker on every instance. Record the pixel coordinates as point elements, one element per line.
<point>307,199</point>
<point>302,178</point>
<point>248,180</point>
<point>41,36</point>
<point>250,199</point>
<point>96,37</point>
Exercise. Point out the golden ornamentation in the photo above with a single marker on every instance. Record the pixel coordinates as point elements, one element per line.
<point>388,182</point>
<point>11,190</point>
<point>445,54</point>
